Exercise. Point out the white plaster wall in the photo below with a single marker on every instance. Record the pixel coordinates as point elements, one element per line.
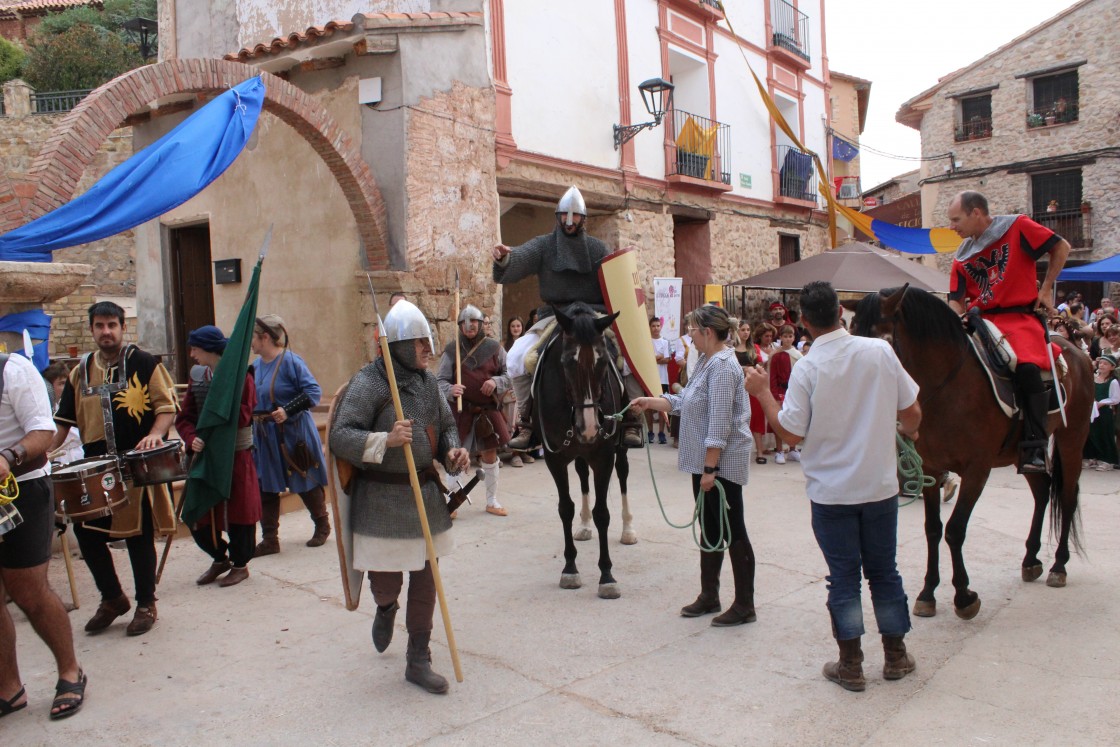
<point>815,11</point>
<point>562,66</point>
<point>645,62</point>
<point>739,104</point>
<point>816,107</point>
<point>261,20</point>
<point>749,19</point>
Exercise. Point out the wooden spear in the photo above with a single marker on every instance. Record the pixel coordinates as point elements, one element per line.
<point>458,352</point>
<point>414,480</point>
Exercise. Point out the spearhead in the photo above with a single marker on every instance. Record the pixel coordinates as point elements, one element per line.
<point>265,244</point>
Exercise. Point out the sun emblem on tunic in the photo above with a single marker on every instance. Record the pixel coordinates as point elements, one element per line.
<point>134,398</point>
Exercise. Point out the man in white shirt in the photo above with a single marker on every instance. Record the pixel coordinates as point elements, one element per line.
<point>662,354</point>
<point>26,430</point>
<point>850,473</point>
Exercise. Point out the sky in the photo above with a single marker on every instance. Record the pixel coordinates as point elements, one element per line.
<point>903,47</point>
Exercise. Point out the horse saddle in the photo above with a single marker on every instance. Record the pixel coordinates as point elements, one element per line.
<point>999,362</point>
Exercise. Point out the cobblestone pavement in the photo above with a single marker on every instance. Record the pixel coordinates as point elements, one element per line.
<point>278,660</point>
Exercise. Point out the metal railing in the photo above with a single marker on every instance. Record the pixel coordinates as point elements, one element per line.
<point>713,3</point>
<point>699,148</point>
<point>1075,226</point>
<point>1059,113</point>
<point>56,102</point>
<point>791,28</point>
<point>848,188</point>
<point>796,176</point>
<point>974,129</point>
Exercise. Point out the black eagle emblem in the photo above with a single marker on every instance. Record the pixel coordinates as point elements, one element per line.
<point>987,273</point>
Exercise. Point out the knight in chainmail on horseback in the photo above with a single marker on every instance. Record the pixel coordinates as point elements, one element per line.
<point>566,263</point>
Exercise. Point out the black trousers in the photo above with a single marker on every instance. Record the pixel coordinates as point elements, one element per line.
<point>141,553</point>
<point>709,519</point>
<point>240,546</point>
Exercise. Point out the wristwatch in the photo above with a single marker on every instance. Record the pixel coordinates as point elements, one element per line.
<point>710,470</point>
<point>14,455</point>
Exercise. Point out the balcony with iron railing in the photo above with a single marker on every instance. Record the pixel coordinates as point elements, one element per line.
<point>976,128</point>
<point>1075,226</point>
<point>848,191</point>
<point>697,154</point>
<point>797,179</point>
<point>789,37</point>
<point>1060,112</point>
<point>56,102</point>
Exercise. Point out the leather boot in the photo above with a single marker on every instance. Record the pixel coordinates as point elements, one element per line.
<point>383,626</point>
<point>142,620</point>
<point>1032,449</point>
<point>418,670</point>
<point>316,502</point>
<point>270,527</point>
<point>217,568</point>
<point>848,671</point>
<point>632,430</point>
<point>520,442</point>
<point>741,611</point>
<point>108,611</point>
<point>897,663</point>
<point>708,601</point>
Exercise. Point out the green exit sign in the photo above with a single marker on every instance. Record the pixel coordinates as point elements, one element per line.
<point>745,181</point>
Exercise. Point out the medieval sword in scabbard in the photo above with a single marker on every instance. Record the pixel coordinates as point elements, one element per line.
<point>458,351</point>
<point>414,480</point>
<point>1057,380</point>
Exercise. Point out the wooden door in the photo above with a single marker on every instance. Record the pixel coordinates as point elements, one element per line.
<point>192,290</point>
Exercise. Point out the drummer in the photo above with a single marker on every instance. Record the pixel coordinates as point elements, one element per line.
<point>26,429</point>
<point>237,516</point>
<point>141,407</point>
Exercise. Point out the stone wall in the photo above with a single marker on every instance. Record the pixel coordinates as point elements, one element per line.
<point>21,139</point>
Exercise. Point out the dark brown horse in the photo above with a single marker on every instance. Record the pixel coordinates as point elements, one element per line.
<point>964,430</point>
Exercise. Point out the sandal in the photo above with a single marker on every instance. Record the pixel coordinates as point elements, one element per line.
<point>7,707</point>
<point>68,706</point>
<point>760,460</point>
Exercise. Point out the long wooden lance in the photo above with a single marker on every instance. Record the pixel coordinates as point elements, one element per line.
<point>458,352</point>
<point>414,480</point>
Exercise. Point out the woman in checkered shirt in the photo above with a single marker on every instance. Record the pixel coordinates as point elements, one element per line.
<point>715,446</point>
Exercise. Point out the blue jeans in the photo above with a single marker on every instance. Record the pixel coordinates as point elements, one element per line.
<point>863,537</point>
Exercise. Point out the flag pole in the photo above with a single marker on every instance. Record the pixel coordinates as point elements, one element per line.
<point>414,480</point>
<point>458,351</point>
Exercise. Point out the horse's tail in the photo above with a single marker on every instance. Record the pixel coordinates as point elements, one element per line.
<point>1057,477</point>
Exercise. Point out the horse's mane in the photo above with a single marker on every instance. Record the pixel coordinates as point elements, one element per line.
<point>583,323</point>
<point>927,317</point>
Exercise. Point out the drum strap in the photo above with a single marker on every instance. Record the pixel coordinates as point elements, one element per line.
<point>105,392</point>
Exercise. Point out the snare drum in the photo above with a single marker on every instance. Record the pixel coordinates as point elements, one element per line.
<point>155,466</point>
<point>9,518</point>
<point>88,489</point>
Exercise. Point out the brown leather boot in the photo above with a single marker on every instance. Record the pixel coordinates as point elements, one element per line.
<point>418,670</point>
<point>848,672</point>
<point>741,611</point>
<point>897,663</point>
<point>270,527</point>
<point>108,611</point>
<point>216,569</point>
<point>708,601</point>
<point>316,502</point>
<point>142,620</point>
<point>383,626</point>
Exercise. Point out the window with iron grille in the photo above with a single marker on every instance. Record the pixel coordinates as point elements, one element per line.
<point>789,250</point>
<point>1056,204</point>
<point>976,118</point>
<point>1056,96</point>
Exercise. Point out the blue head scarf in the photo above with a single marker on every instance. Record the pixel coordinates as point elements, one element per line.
<point>208,338</point>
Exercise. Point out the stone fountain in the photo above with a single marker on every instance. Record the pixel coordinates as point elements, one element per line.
<point>28,285</point>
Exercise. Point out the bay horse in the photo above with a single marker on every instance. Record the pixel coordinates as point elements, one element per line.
<point>622,469</point>
<point>576,388</point>
<point>964,430</point>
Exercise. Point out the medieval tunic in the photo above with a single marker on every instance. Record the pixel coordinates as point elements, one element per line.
<point>996,273</point>
<point>244,504</point>
<point>567,268</point>
<point>383,518</point>
<point>278,382</point>
<point>483,358</point>
<point>148,393</point>
<point>1102,432</point>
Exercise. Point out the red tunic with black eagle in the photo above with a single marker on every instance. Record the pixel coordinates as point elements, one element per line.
<point>999,271</point>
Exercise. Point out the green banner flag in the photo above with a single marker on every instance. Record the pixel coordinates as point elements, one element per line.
<point>211,475</point>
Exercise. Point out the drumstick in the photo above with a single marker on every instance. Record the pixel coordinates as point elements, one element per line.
<point>70,570</point>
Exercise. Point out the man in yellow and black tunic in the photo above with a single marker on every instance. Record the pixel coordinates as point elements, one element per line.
<point>138,390</point>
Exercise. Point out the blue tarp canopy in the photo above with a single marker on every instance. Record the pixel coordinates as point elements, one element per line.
<point>163,176</point>
<point>1107,270</point>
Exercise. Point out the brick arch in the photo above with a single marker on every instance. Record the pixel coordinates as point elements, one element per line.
<point>76,139</point>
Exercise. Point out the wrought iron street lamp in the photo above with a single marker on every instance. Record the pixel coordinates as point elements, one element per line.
<point>146,28</point>
<point>657,95</point>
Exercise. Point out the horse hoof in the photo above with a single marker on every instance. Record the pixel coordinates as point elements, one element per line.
<point>570,581</point>
<point>1055,580</point>
<point>609,591</point>
<point>969,612</point>
<point>581,535</point>
<point>629,537</point>
<point>1032,572</point>
<point>925,609</point>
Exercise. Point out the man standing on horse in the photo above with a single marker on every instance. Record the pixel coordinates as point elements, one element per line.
<point>850,473</point>
<point>566,262</point>
<point>482,429</point>
<point>995,272</point>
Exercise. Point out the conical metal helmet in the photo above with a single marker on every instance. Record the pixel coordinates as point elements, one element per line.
<point>571,205</point>
<point>470,314</point>
<point>406,322</point>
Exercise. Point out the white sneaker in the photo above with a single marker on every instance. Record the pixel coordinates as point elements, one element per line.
<point>516,461</point>
<point>780,458</point>
<point>794,455</point>
<point>1103,467</point>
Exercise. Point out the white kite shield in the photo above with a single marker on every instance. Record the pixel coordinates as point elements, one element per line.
<point>618,278</point>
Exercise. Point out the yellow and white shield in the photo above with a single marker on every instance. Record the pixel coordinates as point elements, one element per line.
<point>618,277</point>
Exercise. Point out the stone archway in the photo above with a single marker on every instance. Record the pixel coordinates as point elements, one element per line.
<point>59,166</point>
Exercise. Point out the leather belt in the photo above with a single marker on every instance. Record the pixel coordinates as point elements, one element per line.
<point>244,439</point>
<point>428,474</point>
